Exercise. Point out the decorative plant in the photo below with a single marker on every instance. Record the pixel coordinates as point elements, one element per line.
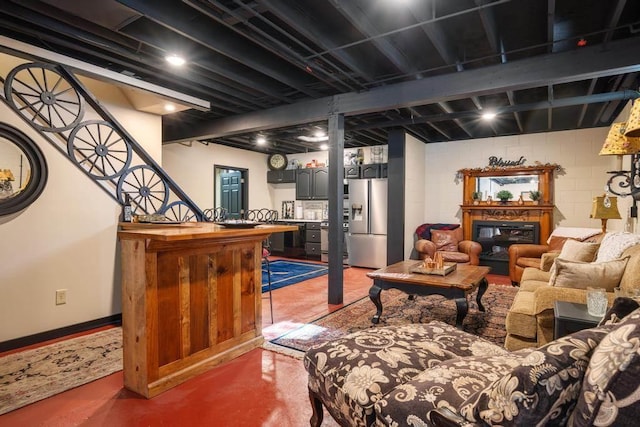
<point>535,195</point>
<point>504,195</point>
<point>476,195</point>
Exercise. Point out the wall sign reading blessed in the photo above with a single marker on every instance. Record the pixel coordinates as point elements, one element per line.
<point>499,162</point>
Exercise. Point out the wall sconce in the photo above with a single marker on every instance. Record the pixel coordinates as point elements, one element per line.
<point>618,142</point>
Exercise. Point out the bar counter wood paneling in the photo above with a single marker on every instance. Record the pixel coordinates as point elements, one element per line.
<point>191,299</point>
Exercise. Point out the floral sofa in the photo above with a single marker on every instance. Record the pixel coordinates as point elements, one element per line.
<point>435,374</point>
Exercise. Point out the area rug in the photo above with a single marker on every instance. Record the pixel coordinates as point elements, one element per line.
<point>285,273</point>
<point>33,375</point>
<point>399,309</point>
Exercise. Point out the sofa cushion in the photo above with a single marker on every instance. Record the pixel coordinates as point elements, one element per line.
<point>614,244</point>
<point>543,389</point>
<point>448,385</point>
<point>445,240</point>
<point>610,393</point>
<point>535,274</point>
<point>575,274</point>
<point>351,373</point>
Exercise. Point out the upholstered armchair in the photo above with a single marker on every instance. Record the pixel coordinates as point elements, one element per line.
<point>522,256</point>
<point>448,242</point>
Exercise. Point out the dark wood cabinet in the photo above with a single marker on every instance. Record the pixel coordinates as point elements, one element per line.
<point>352,171</point>
<point>312,184</point>
<point>312,247</point>
<point>281,177</point>
<point>370,171</point>
<point>373,170</point>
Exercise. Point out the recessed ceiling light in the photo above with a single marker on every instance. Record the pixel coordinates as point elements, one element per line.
<point>324,147</point>
<point>489,116</point>
<point>261,140</point>
<point>169,107</point>
<point>176,60</point>
<point>319,134</point>
<point>313,138</point>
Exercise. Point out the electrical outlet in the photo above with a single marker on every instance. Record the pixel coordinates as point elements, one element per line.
<point>61,296</point>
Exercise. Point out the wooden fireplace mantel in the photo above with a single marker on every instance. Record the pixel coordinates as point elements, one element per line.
<point>541,212</point>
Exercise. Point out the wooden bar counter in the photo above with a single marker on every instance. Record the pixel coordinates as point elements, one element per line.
<point>191,299</point>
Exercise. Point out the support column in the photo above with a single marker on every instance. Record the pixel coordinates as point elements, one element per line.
<point>336,196</point>
<point>395,200</point>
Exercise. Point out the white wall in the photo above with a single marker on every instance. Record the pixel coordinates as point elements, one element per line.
<point>192,168</point>
<point>582,177</point>
<point>415,201</point>
<point>67,238</point>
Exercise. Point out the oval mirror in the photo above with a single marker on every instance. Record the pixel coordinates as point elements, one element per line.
<point>23,170</point>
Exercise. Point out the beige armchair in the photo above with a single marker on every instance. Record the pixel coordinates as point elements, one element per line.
<point>452,246</point>
<point>530,319</point>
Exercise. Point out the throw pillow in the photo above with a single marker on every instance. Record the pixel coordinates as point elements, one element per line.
<point>543,389</point>
<point>580,275</point>
<point>445,240</point>
<point>610,395</point>
<point>424,231</point>
<point>614,244</point>
<point>574,250</point>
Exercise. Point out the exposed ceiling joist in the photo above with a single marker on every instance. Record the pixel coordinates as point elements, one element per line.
<point>582,64</point>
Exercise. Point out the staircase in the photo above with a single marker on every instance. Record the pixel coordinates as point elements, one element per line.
<point>51,99</point>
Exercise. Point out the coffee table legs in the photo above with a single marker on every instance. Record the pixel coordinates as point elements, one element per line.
<point>462,306</point>
<point>482,287</point>
<point>374,295</point>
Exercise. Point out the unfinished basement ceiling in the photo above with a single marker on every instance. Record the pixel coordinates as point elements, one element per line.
<point>277,68</point>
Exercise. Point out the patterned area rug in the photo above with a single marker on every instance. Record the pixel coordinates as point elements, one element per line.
<point>33,375</point>
<point>398,309</point>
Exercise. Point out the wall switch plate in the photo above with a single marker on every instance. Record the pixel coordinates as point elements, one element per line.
<point>61,296</point>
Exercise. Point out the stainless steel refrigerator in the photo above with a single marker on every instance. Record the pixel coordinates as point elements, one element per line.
<point>368,222</point>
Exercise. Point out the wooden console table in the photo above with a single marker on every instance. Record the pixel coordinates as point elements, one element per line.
<point>191,299</point>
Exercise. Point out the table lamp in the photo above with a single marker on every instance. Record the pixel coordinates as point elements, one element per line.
<point>605,208</point>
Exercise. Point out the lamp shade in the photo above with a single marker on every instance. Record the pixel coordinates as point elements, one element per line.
<point>605,207</point>
<point>617,143</point>
<point>633,124</point>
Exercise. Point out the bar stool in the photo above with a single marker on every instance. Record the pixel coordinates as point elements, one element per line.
<point>267,216</point>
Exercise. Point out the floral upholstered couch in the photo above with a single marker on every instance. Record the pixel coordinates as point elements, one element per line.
<point>435,374</point>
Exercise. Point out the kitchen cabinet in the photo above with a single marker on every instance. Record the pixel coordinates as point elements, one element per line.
<point>352,171</point>
<point>281,176</point>
<point>370,171</point>
<point>312,184</point>
<point>312,246</point>
<point>373,170</point>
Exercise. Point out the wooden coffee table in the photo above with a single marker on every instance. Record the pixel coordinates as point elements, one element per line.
<point>455,285</point>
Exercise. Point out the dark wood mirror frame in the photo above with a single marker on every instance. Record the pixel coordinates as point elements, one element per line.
<point>541,212</point>
<point>38,170</point>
